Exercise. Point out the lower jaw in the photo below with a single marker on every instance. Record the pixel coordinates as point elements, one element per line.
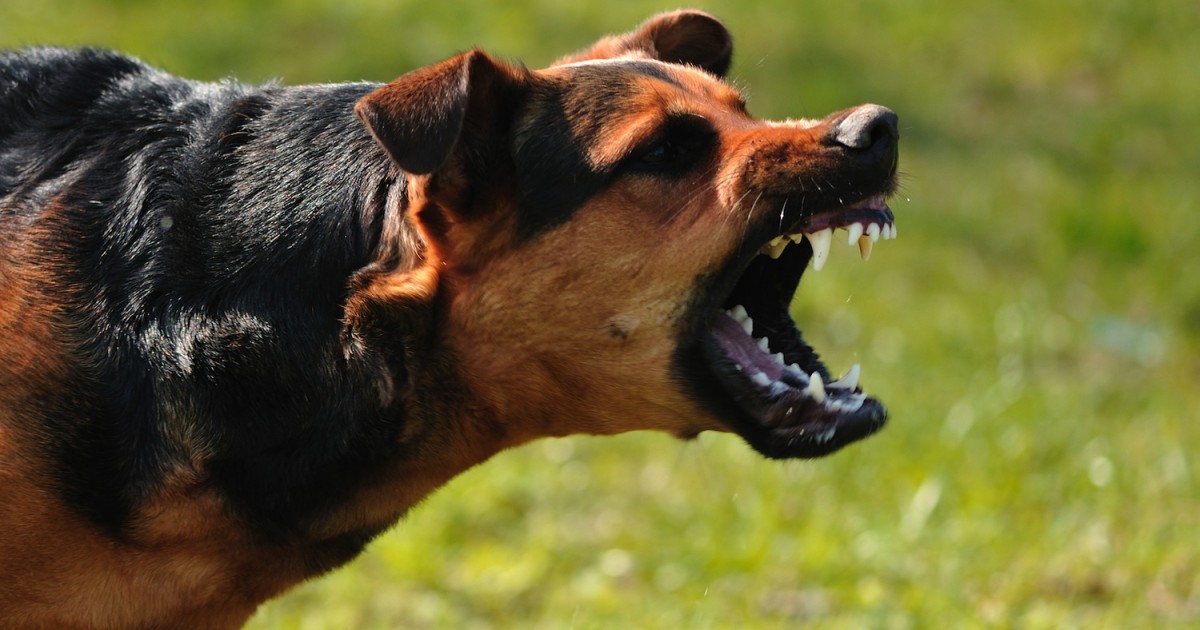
<point>793,424</point>
<point>818,438</point>
<point>784,412</point>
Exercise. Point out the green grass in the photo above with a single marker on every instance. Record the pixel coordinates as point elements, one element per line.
<point>1034,332</point>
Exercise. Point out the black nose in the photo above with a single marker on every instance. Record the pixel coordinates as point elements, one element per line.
<point>866,126</point>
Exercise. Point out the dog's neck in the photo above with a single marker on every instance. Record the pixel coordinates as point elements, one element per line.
<point>446,431</point>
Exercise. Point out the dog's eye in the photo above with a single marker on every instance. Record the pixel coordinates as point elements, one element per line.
<point>660,152</point>
<point>681,144</point>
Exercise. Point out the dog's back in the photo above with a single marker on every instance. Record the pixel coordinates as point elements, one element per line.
<point>159,240</point>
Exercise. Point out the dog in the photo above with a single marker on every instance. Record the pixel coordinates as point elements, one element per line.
<point>244,329</point>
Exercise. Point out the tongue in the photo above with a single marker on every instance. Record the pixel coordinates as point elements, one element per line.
<point>742,349</point>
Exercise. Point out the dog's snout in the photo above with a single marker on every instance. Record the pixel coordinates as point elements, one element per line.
<point>865,127</point>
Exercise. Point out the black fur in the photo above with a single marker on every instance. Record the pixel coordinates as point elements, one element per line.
<point>551,157</point>
<point>206,237</point>
<point>555,178</point>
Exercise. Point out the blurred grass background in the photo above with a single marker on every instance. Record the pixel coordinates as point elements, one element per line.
<point>1034,332</point>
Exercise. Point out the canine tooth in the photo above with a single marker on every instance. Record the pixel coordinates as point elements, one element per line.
<point>864,246</point>
<point>760,379</point>
<point>873,231</point>
<point>820,246</point>
<point>762,344</point>
<point>816,387</point>
<point>850,380</point>
<point>856,232</point>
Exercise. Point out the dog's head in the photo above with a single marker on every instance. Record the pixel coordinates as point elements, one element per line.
<point>614,241</point>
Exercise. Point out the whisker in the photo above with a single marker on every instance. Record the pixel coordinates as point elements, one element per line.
<point>749,215</point>
<point>733,209</point>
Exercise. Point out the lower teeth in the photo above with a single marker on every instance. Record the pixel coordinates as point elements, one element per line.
<point>839,395</point>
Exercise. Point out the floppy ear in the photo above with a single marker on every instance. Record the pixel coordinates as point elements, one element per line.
<point>419,117</point>
<point>686,37</point>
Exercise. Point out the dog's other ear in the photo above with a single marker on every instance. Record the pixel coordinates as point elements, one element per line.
<point>419,117</point>
<point>686,37</point>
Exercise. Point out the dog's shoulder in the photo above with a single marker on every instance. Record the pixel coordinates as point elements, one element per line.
<point>192,243</point>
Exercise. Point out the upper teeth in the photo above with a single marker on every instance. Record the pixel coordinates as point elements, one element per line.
<point>775,248</point>
<point>820,241</point>
<point>873,231</point>
<point>856,231</point>
<point>860,234</point>
<point>864,246</point>
<point>864,235</point>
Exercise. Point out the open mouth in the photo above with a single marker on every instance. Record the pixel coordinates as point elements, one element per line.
<point>790,404</point>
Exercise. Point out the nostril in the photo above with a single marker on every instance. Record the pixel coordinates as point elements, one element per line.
<point>866,126</point>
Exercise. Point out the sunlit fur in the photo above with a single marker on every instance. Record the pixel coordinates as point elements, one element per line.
<point>246,329</point>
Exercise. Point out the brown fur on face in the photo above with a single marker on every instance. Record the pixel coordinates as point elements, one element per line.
<point>598,358</point>
<point>505,254</point>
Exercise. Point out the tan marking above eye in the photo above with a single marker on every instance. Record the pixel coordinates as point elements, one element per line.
<point>620,137</point>
<point>650,101</point>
